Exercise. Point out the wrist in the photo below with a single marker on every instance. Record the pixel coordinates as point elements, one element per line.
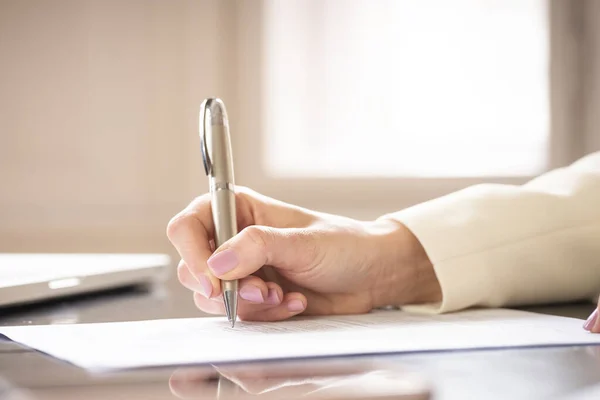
<point>403,273</point>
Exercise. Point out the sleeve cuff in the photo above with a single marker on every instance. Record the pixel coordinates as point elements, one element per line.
<point>454,252</point>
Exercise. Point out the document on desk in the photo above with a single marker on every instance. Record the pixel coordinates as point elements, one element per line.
<point>121,345</point>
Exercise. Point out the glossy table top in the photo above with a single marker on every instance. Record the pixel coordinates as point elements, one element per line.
<point>537,373</point>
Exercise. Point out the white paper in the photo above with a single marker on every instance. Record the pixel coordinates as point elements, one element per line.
<point>211,340</point>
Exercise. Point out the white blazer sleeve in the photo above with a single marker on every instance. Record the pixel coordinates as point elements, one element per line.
<point>501,245</point>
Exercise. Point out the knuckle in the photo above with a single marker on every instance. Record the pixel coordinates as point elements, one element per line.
<point>177,224</point>
<point>186,218</point>
<point>246,194</point>
<point>242,195</point>
<point>200,201</point>
<point>257,236</point>
<point>242,190</point>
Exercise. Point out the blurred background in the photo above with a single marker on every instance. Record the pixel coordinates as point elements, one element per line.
<point>352,107</point>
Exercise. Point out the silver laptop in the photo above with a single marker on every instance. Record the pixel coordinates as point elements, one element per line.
<point>28,278</point>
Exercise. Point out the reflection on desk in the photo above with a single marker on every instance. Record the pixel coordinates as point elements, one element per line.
<point>327,380</point>
<point>313,380</point>
<point>504,374</point>
<point>588,393</point>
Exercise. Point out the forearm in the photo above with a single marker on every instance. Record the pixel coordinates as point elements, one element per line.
<point>401,262</point>
<point>499,245</point>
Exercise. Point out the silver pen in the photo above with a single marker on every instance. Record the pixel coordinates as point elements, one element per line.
<point>215,143</point>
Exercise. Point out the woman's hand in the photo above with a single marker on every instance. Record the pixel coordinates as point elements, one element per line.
<point>290,260</point>
<point>593,322</point>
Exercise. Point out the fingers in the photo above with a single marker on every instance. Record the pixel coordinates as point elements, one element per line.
<point>253,289</point>
<point>190,232</point>
<point>292,305</point>
<point>209,306</point>
<point>205,284</point>
<point>254,296</point>
<point>256,246</point>
<point>593,322</point>
<point>274,306</point>
<point>274,294</point>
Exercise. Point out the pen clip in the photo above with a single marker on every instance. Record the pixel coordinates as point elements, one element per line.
<point>203,147</point>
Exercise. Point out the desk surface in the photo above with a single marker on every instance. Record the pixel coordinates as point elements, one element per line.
<point>562,372</point>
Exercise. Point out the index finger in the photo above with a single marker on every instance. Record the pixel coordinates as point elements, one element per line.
<point>190,232</point>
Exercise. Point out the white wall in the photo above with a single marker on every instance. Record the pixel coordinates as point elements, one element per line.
<point>98,118</point>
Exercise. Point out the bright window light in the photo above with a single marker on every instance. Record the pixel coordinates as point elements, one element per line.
<point>429,88</point>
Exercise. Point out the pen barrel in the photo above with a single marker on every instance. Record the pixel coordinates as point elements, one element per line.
<point>225,220</point>
<point>218,164</point>
<point>223,212</point>
<point>218,143</point>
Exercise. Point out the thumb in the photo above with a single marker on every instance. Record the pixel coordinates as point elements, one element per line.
<point>256,246</point>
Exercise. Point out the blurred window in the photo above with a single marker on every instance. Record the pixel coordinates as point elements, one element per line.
<point>397,88</point>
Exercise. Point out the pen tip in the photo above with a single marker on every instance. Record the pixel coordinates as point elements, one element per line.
<point>230,297</point>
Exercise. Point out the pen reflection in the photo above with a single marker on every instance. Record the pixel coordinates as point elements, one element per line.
<point>294,381</point>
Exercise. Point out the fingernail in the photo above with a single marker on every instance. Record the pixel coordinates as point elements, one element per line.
<point>223,262</point>
<point>273,297</point>
<point>205,286</point>
<point>591,320</point>
<point>251,293</point>
<point>295,306</point>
